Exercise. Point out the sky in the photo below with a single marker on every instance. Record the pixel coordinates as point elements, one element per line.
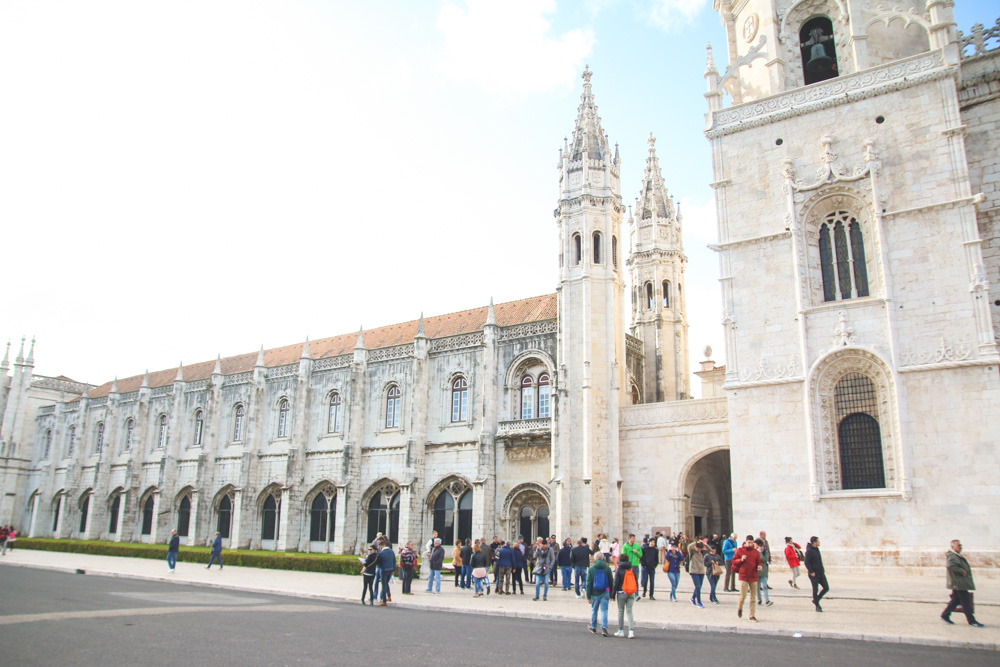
<point>190,178</point>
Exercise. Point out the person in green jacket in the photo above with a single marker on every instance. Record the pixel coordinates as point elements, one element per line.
<point>633,552</point>
<point>599,582</point>
<point>960,582</point>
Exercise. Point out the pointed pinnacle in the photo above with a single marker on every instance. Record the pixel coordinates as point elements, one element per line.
<point>20,353</point>
<point>710,62</point>
<point>31,352</point>
<point>114,386</point>
<point>420,327</point>
<point>218,365</point>
<point>361,338</point>
<point>260,357</point>
<point>491,316</point>
<point>6,356</point>
<point>305,349</point>
<point>145,379</point>
<point>180,372</point>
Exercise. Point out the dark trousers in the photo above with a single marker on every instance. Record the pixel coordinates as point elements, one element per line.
<point>386,575</point>
<point>518,583</point>
<point>458,574</point>
<point>730,583</point>
<point>963,598</point>
<point>648,577</point>
<point>216,556</point>
<point>367,590</point>
<point>407,579</point>
<point>817,581</point>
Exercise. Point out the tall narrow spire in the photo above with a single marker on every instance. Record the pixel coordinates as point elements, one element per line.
<point>420,327</point>
<point>180,372</point>
<point>653,200</point>
<point>114,386</point>
<point>5,364</point>
<point>305,350</point>
<point>491,316</point>
<point>710,62</point>
<point>145,379</point>
<point>30,361</point>
<point>260,357</point>
<point>218,365</point>
<point>589,140</point>
<point>19,359</point>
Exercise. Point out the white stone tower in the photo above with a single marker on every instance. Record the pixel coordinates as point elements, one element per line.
<point>586,485</point>
<point>656,262</point>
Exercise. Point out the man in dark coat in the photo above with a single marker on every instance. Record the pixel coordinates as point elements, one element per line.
<point>960,582</point>
<point>435,564</point>
<point>580,557</point>
<point>175,543</point>
<point>216,552</point>
<point>387,563</point>
<point>650,559</point>
<point>817,575</point>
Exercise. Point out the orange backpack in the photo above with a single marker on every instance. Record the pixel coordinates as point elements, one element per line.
<point>629,585</point>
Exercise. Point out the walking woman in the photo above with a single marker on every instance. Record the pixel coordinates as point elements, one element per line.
<point>518,569</point>
<point>793,554</point>
<point>368,572</point>
<point>696,568</point>
<point>714,567</point>
<point>456,563</point>
<point>480,575</point>
<point>672,567</point>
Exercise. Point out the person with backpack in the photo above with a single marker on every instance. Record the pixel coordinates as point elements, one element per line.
<point>793,554</point>
<point>625,590</point>
<point>599,580</point>
<point>407,559</point>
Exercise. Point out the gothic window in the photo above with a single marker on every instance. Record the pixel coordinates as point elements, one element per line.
<point>147,515</point>
<point>819,53</point>
<point>199,427</point>
<point>614,251</point>
<point>184,517</point>
<point>393,400</point>
<point>465,516</point>
<point>283,418</point>
<point>238,417</point>
<point>649,296</point>
<point>70,441</point>
<point>84,511</point>
<point>597,248</point>
<point>858,434</point>
<point>842,257</point>
<point>527,397</point>
<point>225,517</point>
<point>269,519</point>
<point>333,418</point>
<point>100,437</point>
<point>444,517</point>
<point>542,521</point>
<point>577,249</point>
<point>56,507</point>
<point>161,438</point>
<point>129,432</point>
<point>544,396</point>
<point>383,516</point>
<point>666,293</point>
<point>459,400</point>
<point>636,398</point>
<point>48,443</point>
<point>320,518</point>
<point>115,507</point>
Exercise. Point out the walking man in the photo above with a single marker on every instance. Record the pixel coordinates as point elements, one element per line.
<point>599,580</point>
<point>580,557</point>
<point>407,559</point>
<point>216,552</point>
<point>817,575</point>
<point>960,582</point>
<point>650,559</point>
<point>746,562</point>
<point>387,563</point>
<point>175,543</point>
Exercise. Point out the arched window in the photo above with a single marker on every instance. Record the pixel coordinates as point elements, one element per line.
<point>238,416</point>
<point>147,516</point>
<point>459,400</point>
<point>597,248</point>
<point>99,438</point>
<point>115,506</point>
<point>184,516</point>
<point>84,511</point>
<point>283,418</point>
<point>465,516</point>
<point>542,521</point>
<point>129,432</point>
<point>161,438</point>
<point>269,519</point>
<point>614,251</point>
<point>666,293</point>
<point>842,257</point>
<point>48,443</point>
<point>636,397</point>
<point>393,398</point>
<point>70,441</point>
<point>199,427</point>
<point>319,519</point>
<point>858,434</point>
<point>527,397</point>
<point>225,518</point>
<point>444,517</point>
<point>649,296</point>
<point>819,53</point>
<point>525,528</point>
<point>577,249</point>
<point>544,396</point>
<point>383,517</point>
<point>57,506</point>
<point>333,419</point>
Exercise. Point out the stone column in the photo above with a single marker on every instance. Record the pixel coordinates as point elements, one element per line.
<point>281,544</point>
<point>192,538</point>
<point>237,520</point>
<point>338,537</point>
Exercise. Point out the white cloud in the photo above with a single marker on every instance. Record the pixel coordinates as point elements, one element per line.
<point>507,48</point>
<point>670,14</point>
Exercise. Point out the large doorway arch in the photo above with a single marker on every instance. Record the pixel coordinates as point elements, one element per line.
<point>708,489</point>
<point>526,512</point>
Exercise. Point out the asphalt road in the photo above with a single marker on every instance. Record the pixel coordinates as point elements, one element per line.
<point>50,618</point>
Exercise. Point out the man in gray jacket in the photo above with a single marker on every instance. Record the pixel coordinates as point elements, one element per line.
<point>960,582</point>
<point>545,559</point>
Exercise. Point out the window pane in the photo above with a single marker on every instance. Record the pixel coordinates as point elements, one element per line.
<point>527,402</point>
<point>83,514</point>
<point>826,264</point>
<point>843,260</point>
<point>858,253</point>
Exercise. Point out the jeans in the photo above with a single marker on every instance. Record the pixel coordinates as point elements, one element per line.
<point>481,582</point>
<point>172,559</point>
<point>539,580</point>
<point>674,577</point>
<point>745,588</point>
<point>648,576</point>
<point>625,604</point>
<point>580,577</point>
<point>762,595</point>
<point>697,580</point>
<point>435,576</point>
<point>466,576</point>
<point>817,581</point>
<point>963,598</point>
<point>378,578</point>
<point>216,556</point>
<point>600,600</point>
<point>567,576</point>
<point>713,581</point>
<point>730,583</point>
<point>386,576</point>
<point>407,578</point>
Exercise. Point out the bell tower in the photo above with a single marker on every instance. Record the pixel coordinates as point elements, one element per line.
<point>586,482</point>
<point>656,262</point>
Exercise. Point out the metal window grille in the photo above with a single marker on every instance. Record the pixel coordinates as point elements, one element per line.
<point>858,433</point>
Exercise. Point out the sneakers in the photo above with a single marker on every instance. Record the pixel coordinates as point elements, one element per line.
<point>768,603</point>
<point>977,624</point>
<point>693,602</point>
<point>753,618</point>
<point>790,583</point>
<point>604,631</point>
<point>631,635</point>
<point>947,620</point>
<point>700,605</point>
<point>619,634</point>
<point>818,608</point>
<point>577,597</point>
<point>593,631</point>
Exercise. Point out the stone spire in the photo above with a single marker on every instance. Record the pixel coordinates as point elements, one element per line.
<point>114,386</point>
<point>305,350</point>
<point>360,344</point>
<point>491,316</point>
<point>710,62</point>
<point>218,365</point>
<point>260,357</point>
<point>30,361</point>
<point>145,379</point>
<point>180,372</point>
<point>5,364</point>
<point>653,202</point>
<point>589,140</point>
<point>420,327</point>
<point>19,359</point>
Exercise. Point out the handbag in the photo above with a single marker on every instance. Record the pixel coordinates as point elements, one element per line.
<point>539,570</point>
<point>666,567</point>
<point>717,571</point>
<point>479,572</point>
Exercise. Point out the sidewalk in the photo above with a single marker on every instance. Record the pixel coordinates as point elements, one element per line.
<point>897,609</point>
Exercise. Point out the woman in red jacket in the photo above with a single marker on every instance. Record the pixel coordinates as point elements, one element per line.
<point>793,554</point>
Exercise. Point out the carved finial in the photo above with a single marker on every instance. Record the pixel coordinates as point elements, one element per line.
<point>305,350</point>
<point>843,333</point>
<point>491,317</point>
<point>586,75</point>
<point>420,327</point>
<point>652,142</point>
<point>86,392</point>
<point>361,339</point>
<point>828,155</point>
<point>710,62</point>
<point>19,359</point>
<point>114,386</point>
<point>145,379</point>
<point>708,351</point>
<point>180,372</point>
<point>218,365</point>
<point>6,355</point>
<point>31,353</point>
<point>260,357</point>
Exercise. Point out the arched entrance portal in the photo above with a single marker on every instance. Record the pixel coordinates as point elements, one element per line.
<point>526,512</point>
<point>709,489</point>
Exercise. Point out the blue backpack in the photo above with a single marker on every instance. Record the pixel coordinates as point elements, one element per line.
<point>600,580</point>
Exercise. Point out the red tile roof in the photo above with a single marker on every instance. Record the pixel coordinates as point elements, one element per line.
<point>533,309</point>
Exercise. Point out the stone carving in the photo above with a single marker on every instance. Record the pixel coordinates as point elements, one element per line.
<point>238,378</point>
<point>634,345</point>
<point>528,493</point>
<point>388,353</point>
<point>674,413</point>
<point>978,39</point>
<point>130,397</point>
<point>97,402</point>
<point>766,369</point>
<point>526,330</point>
<point>729,76</point>
<point>527,452</point>
<point>47,410</point>
<point>457,342</point>
<point>791,21</point>
<point>162,391</point>
<point>43,382</point>
<point>333,362</point>
<point>944,352</point>
<point>843,333</point>
<point>523,426</point>
<point>199,385</point>
<point>833,171</point>
<point>283,371</point>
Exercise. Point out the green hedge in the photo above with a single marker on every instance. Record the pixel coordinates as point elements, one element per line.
<point>274,560</point>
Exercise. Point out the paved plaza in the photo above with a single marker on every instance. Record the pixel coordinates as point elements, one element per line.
<point>872,608</point>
